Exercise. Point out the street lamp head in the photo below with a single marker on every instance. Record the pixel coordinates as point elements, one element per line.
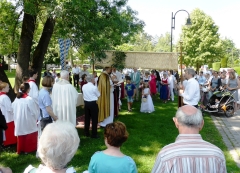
<point>188,23</point>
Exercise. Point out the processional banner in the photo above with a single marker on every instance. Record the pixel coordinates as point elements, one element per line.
<point>64,45</point>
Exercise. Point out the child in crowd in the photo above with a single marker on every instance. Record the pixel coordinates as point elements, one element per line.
<point>57,77</point>
<point>147,103</point>
<point>83,82</point>
<point>25,79</point>
<point>95,78</point>
<point>130,91</point>
<point>216,104</point>
<point>7,111</point>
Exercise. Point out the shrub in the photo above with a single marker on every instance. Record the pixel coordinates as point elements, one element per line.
<point>224,62</point>
<point>216,66</point>
<point>237,69</point>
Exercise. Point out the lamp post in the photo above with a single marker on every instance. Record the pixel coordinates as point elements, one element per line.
<point>173,23</point>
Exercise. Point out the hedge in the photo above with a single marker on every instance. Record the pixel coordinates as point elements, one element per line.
<point>237,69</point>
<point>224,62</point>
<point>216,66</point>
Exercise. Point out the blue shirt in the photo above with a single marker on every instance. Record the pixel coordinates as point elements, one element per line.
<point>103,163</point>
<point>201,80</point>
<point>44,100</point>
<point>130,89</point>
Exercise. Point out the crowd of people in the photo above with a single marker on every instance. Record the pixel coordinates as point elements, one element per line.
<point>31,120</point>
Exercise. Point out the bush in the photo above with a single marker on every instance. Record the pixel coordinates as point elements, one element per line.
<point>224,62</point>
<point>237,69</point>
<point>210,65</point>
<point>216,66</point>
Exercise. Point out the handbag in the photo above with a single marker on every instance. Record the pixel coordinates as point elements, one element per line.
<point>144,99</point>
<point>44,121</point>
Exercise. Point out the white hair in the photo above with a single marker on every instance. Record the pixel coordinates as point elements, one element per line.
<point>58,144</point>
<point>194,120</point>
<point>191,71</point>
<point>89,78</point>
<point>64,74</point>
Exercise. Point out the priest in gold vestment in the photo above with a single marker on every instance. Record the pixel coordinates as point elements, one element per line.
<point>104,99</point>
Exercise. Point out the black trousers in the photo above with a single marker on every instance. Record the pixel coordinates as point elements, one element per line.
<point>91,111</point>
<point>76,80</point>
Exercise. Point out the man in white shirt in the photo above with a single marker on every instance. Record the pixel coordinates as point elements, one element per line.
<point>191,93</point>
<point>84,71</point>
<point>75,72</point>
<point>33,93</point>
<point>90,97</point>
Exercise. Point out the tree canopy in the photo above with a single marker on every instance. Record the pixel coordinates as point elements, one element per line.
<point>93,26</point>
<point>201,41</point>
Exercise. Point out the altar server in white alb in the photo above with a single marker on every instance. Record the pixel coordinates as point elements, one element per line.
<point>64,99</point>
<point>7,111</point>
<point>33,87</point>
<point>26,114</point>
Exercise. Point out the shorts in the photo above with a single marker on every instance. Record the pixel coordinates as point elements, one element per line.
<point>129,99</point>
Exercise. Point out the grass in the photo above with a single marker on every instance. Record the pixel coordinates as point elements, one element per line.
<point>148,133</point>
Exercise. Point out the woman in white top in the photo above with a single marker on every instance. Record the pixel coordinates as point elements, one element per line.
<point>7,111</point>
<point>147,77</point>
<point>26,114</point>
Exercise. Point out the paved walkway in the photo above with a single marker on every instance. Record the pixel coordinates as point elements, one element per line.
<point>230,131</point>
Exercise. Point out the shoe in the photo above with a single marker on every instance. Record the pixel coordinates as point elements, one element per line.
<point>130,110</point>
<point>95,137</point>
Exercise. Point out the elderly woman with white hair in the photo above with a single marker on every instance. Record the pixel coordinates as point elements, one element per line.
<point>56,149</point>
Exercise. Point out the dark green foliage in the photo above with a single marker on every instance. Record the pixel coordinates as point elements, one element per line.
<point>119,59</point>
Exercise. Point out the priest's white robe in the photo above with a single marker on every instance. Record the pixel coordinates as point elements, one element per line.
<point>25,116</point>
<point>64,101</point>
<point>33,91</point>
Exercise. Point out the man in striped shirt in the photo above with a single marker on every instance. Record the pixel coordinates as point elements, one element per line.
<point>189,153</point>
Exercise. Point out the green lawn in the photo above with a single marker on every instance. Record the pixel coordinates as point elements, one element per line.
<point>148,133</point>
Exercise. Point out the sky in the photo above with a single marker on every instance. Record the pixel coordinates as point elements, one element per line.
<point>157,15</point>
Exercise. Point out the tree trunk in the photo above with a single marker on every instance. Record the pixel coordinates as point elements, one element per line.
<point>41,49</point>
<point>93,63</point>
<point>4,78</point>
<point>24,50</point>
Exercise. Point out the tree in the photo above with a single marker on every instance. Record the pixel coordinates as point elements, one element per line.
<point>164,43</point>
<point>9,28</point>
<point>94,25</point>
<point>230,51</point>
<point>201,42</point>
<point>141,41</point>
